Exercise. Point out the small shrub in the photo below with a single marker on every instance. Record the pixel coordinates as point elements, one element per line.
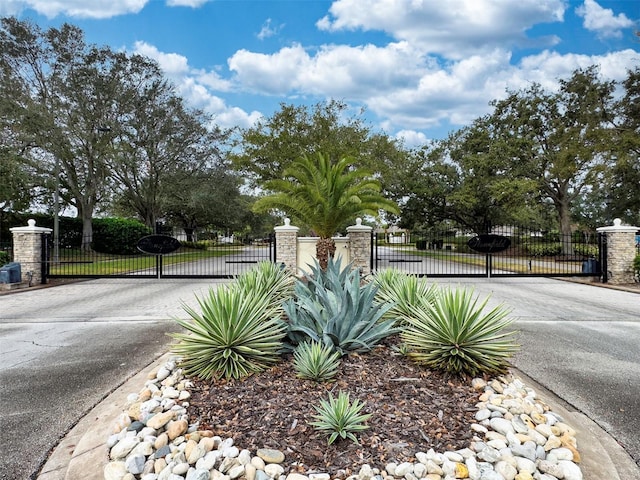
<point>267,278</point>
<point>544,249</point>
<point>340,417</point>
<point>332,308</point>
<point>234,335</point>
<point>636,267</point>
<point>455,335</point>
<point>586,250</point>
<point>4,258</point>
<point>403,292</point>
<point>199,245</point>
<point>315,361</point>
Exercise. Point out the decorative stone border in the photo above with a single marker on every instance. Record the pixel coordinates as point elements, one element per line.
<point>517,437</point>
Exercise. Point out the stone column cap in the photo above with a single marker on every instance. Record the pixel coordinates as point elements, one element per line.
<point>31,228</point>
<point>287,227</point>
<point>358,227</point>
<point>618,227</point>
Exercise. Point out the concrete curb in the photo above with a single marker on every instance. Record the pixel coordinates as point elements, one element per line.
<point>82,454</point>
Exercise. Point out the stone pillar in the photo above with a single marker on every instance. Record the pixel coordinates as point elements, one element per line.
<point>621,250</point>
<point>287,246</point>
<point>360,246</point>
<point>27,251</point>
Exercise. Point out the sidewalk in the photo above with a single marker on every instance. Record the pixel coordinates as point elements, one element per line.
<point>82,454</point>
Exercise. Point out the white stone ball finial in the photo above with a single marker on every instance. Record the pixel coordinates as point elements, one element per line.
<point>31,222</point>
<point>287,221</point>
<point>617,222</point>
<point>358,221</point>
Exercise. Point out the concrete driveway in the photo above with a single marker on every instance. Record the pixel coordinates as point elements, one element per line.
<point>63,349</point>
<point>581,342</point>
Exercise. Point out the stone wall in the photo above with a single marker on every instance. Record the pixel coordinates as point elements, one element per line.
<point>358,251</point>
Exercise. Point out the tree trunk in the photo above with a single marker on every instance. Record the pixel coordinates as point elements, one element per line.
<point>87,232</point>
<point>325,248</point>
<point>564,217</point>
<point>189,233</point>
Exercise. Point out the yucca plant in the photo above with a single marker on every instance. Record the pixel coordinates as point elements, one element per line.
<point>404,292</point>
<point>339,417</point>
<point>267,278</point>
<point>455,334</point>
<point>332,308</point>
<point>232,336</point>
<point>315,361</point>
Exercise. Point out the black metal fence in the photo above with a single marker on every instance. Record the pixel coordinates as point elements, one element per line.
<point>446,253</point>
<point>207,259</point>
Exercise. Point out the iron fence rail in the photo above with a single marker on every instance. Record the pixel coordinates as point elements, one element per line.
<point>210,261</point>
<point>446,253</point>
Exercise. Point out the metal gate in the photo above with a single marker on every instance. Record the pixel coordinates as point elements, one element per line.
<point>446,253</point>
<point>224,260</point>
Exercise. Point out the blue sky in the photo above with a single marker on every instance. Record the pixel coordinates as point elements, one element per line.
<point>418,68</point>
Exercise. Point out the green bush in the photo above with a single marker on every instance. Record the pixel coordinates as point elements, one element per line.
<point>636,267</point>
<point>199,245</point>
<point>455,335</point>
<point>403,292</point>
<point>118,235</point>
<point>232,336</point>
<point>331,307</point>
<point>543,249</point>
<point>4,258</point>
<point>586,250</point>
<point>340,417</point>
<point>315,361</point>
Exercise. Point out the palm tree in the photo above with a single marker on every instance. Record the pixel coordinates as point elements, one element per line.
<point>325,195</point>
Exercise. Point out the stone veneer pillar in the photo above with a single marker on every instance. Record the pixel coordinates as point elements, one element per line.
<point>360,246</point>
<point>621,250</point>
<point>27,251</point>
<point>287,246</point>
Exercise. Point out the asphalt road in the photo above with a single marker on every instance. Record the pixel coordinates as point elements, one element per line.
<point>63,349</point>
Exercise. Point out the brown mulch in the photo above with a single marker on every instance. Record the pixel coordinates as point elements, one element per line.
<point>413,409</point>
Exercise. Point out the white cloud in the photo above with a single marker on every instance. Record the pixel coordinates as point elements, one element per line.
<point>454,29</point>
<point>602,20</point>
<point>268,31</point>
<point>186,3</point>
<point>172,64</point>
<point>411,138</point>
<point>74,8</point>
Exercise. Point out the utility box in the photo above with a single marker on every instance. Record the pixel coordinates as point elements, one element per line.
<point>10,273</point>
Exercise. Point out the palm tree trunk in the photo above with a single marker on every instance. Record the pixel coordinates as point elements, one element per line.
<point>325,248</point>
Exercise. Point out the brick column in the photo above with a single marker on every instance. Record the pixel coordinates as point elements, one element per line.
<point>27,251</point>
<point>360,246</point>
<point>287,246</point>
<point>621,250</point>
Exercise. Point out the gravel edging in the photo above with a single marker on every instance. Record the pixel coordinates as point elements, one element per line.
<point>517,437</point>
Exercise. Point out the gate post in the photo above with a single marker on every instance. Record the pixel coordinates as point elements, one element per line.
<point>27,251</point>
<point>287,246</point>
<point>621,251</point>
<point>360,246</point>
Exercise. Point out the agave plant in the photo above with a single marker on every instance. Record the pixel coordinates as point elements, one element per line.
<point>332,308</point>
<point>232,336</point>
<point>340,417</point>
<point>316,361</point>
<point>455,334</point>
<point>405,292</point>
